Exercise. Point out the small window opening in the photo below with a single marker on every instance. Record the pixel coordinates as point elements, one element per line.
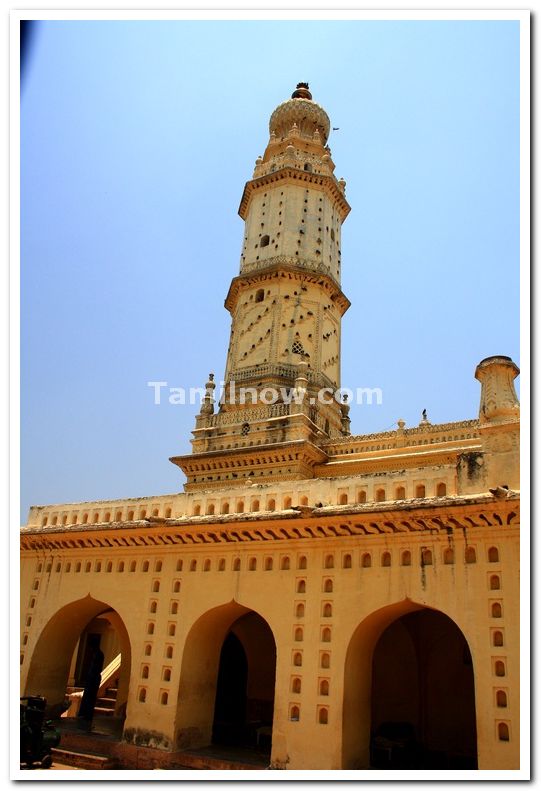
<point>470,555</point>
<point>493,555</point>
<point>503,732</point>
<point>449,556</point>
<point>426,557</point>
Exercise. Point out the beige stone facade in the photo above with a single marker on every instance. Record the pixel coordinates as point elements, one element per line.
<point>309,586</point>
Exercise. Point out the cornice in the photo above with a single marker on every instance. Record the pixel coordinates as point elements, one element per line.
<point>292,175</point>
<point>283,268</point>
<point>251,456</point>
<point>444,515</point>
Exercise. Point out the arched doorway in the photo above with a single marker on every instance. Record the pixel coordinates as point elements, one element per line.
<point>409,697</point>
<point>423,697</point>
<point>64,650</point>
<point>226,695</point>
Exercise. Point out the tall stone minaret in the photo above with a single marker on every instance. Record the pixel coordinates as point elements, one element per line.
<point>286,304</point>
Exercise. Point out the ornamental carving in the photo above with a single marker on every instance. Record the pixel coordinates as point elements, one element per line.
<point>306,114</point>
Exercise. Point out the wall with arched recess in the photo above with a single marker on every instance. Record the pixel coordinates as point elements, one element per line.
<point>199,672</point>
<point>422,675</point>
<point>357,690</point>
<point>356,714</point>
<point>51,658</point>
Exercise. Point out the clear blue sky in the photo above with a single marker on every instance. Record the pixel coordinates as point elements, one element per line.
<point>136,141</point>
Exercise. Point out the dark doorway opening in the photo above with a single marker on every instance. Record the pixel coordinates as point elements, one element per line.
<point>86,652</point>
<point>423,697</point>
<point>244,703</point>
<point>230,707</point>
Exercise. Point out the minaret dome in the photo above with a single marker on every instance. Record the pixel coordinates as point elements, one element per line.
<point>302,111</point>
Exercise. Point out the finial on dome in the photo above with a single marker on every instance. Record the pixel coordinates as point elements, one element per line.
<point>301,91</point>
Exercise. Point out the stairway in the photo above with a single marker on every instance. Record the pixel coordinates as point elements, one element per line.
<point>105,705</point>
<point>81,760</point>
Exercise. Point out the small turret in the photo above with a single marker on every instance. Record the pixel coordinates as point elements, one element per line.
<point>207,407</point>
<point>497,468</point>
<point>499,400</point>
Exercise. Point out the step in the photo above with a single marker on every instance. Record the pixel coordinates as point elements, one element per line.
<point>106,703</point>
<point>194,760</point>
<point>81,760</point>
<point>104,711</point>
<point>111,692</point>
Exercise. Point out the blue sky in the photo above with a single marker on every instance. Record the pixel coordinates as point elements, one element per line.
<point>136,141</point>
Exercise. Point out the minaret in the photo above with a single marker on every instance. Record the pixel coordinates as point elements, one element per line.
<point>286,307</point>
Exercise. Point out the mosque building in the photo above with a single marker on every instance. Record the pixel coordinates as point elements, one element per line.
<point>315,599</point>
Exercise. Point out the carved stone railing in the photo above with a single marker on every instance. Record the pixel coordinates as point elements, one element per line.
<point>387,440</point>
<point>297,159</point>
<point>255,413</point>
<point>282,370</point>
